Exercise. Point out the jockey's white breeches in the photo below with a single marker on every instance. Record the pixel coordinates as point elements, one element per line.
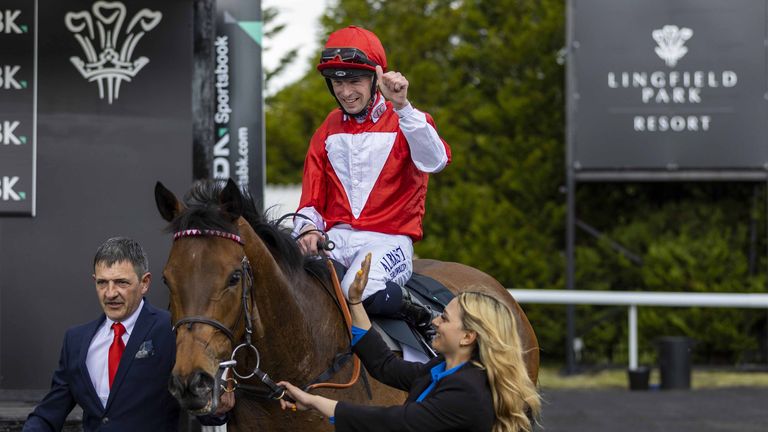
<point>391,257</point>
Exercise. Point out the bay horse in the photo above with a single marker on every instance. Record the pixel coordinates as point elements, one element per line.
<point>234,276</point>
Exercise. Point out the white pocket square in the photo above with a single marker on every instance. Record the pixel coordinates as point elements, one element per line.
<point>145,350</point>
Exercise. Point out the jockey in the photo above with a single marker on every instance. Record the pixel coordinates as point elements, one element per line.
<point>366,172</point>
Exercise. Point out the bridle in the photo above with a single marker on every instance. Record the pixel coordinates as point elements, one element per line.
<point>276,392</point>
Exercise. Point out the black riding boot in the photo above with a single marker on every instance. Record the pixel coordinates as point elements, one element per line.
<point>420,317</point>
<point>395,302</point>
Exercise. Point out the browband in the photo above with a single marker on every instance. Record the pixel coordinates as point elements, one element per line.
<point>194,232</point>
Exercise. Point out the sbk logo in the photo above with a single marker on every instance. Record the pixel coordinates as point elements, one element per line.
<point>6,189</point>
<point>8,79</point>
<point>8,135</point>
<point>8,22</point>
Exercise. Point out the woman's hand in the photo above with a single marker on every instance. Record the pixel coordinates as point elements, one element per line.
<point>355,292</point>
<point>305,401</point>
<point>302,398</point>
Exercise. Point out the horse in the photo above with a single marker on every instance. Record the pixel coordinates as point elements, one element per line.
<point>240,289</point>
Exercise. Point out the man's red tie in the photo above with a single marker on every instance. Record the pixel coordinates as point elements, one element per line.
<point>116,350</point>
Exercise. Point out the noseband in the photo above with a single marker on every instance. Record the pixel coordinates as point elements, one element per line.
<point>277,392</point>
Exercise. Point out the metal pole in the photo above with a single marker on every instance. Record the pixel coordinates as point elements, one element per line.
<point>570,275</point>
<point>632,337</point>
<point>570,224</point>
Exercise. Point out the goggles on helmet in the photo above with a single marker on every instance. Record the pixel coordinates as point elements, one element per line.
<point>351,55</point>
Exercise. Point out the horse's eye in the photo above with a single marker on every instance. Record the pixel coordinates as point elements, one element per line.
<point>165,281</point>
<point>234,279</point>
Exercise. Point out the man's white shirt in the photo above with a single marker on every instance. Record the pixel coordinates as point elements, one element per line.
<point>98,353</point>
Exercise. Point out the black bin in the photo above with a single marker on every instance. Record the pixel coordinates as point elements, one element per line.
<point>639,378</point>
<point>675,362</point>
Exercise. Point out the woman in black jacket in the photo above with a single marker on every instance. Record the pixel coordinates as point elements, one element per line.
<point>478,383</point>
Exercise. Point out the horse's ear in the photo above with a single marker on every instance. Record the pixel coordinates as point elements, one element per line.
<point>166,201</point>
<point>231,200</point>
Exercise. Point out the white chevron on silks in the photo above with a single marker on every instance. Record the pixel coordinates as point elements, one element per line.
<point>357,160</point>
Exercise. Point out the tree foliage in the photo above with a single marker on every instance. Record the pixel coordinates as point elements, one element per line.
<point>488,73</point>
<point>272,28</point>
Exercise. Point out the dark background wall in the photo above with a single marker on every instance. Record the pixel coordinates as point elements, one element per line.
<point>97,164</point>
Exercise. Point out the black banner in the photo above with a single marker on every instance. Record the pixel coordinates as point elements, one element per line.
<point>18,106</point>
<point>114,117</point>
<point>668,85</point>
<point>238,152</point>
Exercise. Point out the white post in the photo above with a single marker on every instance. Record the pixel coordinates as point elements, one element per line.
<point>632,337</point>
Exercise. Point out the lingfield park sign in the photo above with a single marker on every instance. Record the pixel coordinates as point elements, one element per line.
<point>663,86</point>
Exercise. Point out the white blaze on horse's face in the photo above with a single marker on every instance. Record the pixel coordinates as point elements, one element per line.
<point>119,289</point>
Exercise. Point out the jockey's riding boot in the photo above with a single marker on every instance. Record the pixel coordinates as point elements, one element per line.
<point>420,317</point>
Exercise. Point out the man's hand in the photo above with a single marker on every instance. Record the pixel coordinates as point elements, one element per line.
<point>309,240</point>
<point>355,292</point>
<point>393,86</point>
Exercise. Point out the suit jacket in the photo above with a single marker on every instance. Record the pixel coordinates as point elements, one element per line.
<point>138,400</point>
<point>461,401</point>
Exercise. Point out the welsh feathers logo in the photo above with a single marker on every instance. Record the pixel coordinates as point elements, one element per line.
<point>671,40</point>
<point>108,50</point>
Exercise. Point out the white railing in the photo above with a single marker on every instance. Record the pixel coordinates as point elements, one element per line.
<point>633,299</point>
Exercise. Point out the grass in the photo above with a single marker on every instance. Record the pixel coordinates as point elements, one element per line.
<point>550,378</point>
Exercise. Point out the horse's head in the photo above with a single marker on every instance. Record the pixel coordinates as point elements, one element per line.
<point>209,279</point>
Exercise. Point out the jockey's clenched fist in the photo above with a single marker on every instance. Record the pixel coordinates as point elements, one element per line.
<point>393,86</point>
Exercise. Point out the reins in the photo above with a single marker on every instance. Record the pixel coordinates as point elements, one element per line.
<point>275,391</point>
<point>348,321</point>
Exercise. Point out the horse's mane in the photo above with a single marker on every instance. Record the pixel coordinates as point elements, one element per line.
<point>203,212</point>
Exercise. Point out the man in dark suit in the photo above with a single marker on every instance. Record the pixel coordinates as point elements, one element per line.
<point>117,366</point>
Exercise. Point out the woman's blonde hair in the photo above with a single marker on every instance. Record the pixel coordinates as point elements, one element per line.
<point>500,353</point>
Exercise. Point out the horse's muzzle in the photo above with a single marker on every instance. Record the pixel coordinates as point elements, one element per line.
<point>194,391</point>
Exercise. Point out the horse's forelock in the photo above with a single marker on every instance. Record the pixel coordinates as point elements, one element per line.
<point>202,209</point>
<point>203,212</point>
